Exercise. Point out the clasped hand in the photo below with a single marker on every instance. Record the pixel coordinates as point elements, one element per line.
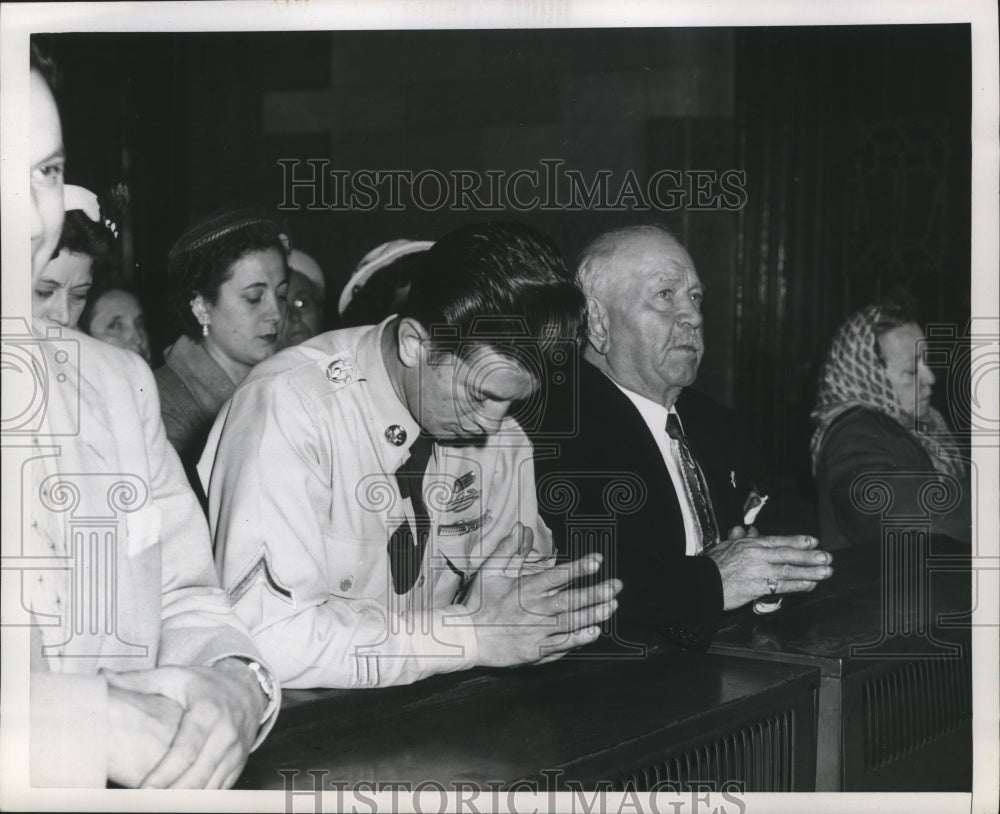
<point>534,617</point>
<point>182,727</point>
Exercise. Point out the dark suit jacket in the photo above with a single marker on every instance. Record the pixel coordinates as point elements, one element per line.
<point>667,597</point>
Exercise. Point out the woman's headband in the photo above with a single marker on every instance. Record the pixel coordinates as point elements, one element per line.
<point>222,224</point>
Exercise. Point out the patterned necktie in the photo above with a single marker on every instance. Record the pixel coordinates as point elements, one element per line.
<point>406,552</point>
<point>694,484</point>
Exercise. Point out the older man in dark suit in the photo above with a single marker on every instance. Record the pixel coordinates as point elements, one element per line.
<point>677,529</point>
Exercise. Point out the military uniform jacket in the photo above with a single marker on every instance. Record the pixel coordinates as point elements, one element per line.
<point>303,501</point>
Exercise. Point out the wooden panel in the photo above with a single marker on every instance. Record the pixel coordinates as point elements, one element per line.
<point>896,676</point>
<point>912,720</point>
<point>582,720</point>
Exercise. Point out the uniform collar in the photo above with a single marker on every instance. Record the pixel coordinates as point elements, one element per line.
<point>387,410</point>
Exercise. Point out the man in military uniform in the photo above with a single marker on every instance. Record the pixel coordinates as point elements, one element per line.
<point>371,498</point>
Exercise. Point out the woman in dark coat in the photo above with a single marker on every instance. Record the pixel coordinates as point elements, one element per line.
<point>873,417</point>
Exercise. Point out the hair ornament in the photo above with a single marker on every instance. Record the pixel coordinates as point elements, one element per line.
<point>75,197</point>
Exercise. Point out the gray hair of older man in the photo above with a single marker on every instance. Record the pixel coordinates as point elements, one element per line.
<point>593,275</point>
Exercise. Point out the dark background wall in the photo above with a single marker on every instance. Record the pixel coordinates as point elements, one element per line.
<point>855,142</point>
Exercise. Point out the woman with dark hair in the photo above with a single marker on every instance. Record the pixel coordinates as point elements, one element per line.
<point>873,415</point>
<point>115,315</point>
<point>84,258</point>
<point>228,277</point>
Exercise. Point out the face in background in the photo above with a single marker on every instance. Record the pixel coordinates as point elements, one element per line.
<point>60,291</point>
<point>47,165</point>
<point>654,322</point>
<point>243,321</point>
<point>912,381</point>
<point>303,310</point>
<point>118,319</point>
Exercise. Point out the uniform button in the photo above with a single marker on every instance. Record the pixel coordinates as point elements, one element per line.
<point>420,582</point>
<point>346,583</point>
<point>396,435</point>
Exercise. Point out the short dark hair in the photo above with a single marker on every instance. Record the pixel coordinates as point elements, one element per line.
<point>201,259</point>
<point>42,61</point>
<point>495,284</point>
<point>81,235</point>
<point>374,301</point>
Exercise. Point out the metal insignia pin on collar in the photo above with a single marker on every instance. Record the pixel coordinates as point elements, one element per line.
<point>396,435</point>
<point>340,371</point>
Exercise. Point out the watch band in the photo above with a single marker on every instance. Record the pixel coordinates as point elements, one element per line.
<point>267,684</point>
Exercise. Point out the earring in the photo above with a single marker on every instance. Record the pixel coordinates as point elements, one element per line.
<point>204,329</point>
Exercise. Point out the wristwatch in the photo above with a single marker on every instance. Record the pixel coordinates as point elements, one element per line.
<point>267,684</point>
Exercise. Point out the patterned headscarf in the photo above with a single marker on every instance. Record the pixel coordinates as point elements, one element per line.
<point>854,375</point>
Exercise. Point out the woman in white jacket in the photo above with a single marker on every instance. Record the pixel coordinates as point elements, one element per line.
<point>140,674</point>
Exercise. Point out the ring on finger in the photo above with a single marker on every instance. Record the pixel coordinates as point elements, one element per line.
<point>772,586</point>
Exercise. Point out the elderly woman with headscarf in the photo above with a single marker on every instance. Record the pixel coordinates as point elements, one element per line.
<point>873,416</point>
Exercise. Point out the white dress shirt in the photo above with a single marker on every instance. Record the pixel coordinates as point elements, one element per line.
<point>655,416</point>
